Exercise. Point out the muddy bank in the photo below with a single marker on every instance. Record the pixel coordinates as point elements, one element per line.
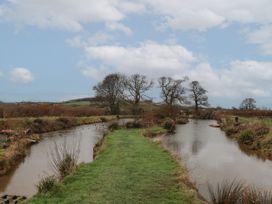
<point>27,132</point>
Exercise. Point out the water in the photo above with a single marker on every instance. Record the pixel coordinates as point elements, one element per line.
<point>212,158</point>
<point>23,180</point>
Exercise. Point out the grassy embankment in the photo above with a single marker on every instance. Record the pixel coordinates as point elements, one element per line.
<point>253,134</point>
<point>27,130</point>
<point>129,169</point>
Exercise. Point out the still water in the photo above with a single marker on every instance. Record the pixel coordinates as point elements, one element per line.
<point>212,158</point>
<point>36,165</point>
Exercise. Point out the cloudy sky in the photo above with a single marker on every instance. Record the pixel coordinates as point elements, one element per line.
<point>58,49</point>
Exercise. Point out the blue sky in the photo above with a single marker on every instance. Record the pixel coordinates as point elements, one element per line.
<point>57,50</point>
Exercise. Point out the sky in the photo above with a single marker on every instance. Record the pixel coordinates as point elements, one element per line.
<point>57,50</point>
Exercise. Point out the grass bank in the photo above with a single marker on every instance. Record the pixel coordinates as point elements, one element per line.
<point>129,169</point>
<point>27,132</point>
<point>253,134</point>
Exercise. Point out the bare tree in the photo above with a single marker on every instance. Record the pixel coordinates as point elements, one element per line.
<point>172,91</point>
<point>137,85</point>
<point>248,104</point>
<point>111,90</point>
<point>198,95</point>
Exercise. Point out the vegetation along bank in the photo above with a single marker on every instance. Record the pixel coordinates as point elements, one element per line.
<point>17,134</point>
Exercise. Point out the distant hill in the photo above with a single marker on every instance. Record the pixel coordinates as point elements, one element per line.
<point>83,102</point>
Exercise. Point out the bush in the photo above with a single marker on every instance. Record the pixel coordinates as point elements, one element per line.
<point>231,131</point>
<point>47,109</point>
<point>103,119</point>
<point>135,124</point>
<point>246,137</point>
<point>182,121</point>
<point>47,184</point>
<point>169,125</point>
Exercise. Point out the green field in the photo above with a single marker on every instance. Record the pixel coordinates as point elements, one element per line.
<point>129,169</point>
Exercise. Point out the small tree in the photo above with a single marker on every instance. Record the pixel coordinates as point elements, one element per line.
<point>172,92</point>
<point>198,95</point>
<point>137,85</point>
<point>248,104</point>
<point>111,90</point>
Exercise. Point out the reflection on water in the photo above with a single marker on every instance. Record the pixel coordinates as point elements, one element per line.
<point>23,180</point>
<point>211,157</point>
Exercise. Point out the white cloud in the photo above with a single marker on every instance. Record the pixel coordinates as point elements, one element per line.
<point>197,15</point>
<point>202,15</point>
<point>21,75</point>
<point>150,57</point>
<point>262,37</point>
<point>119,27</point>
<point>177,14</point>
<point>94,73</point>
<point>96,39</point>
<point>238,79</point>
<point>68,14</point>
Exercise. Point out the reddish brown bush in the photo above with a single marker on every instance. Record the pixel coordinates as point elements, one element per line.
<point>40,110</point>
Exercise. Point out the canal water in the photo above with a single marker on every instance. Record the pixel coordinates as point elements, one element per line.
<point>208,154</point>
<point>37,164</point>
<point>212,158</point>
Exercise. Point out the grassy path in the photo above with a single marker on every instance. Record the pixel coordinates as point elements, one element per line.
<point>130,169</point>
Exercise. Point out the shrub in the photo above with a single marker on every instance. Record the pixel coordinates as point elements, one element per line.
<point>135,124</point>
<point>47,109</point>
<point>169,125</point>
<point>231,131</point>
<point>246,137</point>
<point>47,184</point>
<point>182,121</point>
<point>103,119</point>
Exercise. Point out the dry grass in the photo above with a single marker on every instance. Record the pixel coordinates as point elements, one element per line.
<point>64,158</point>
<point>226,193</point>
<point>236,192</point>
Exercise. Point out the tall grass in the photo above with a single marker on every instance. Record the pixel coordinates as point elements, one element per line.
<point>256,196</point>
<point>226,193</point>
<point>47,184</point>
<point>236,192</point>
<point>64,158</point>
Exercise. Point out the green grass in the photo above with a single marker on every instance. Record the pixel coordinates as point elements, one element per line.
<point>158,130</point>
<point>255,142</point>
<point>130,169</point>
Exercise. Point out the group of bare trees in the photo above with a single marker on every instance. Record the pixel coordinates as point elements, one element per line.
<point>117,88</point>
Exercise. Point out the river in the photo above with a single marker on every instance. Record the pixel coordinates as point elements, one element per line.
<point>36,165</point>
<point>212,158</point>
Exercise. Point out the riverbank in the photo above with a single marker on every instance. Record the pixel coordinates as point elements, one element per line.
<point>129,169</point>
<point>253,134</point>
<point>25,132</point>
